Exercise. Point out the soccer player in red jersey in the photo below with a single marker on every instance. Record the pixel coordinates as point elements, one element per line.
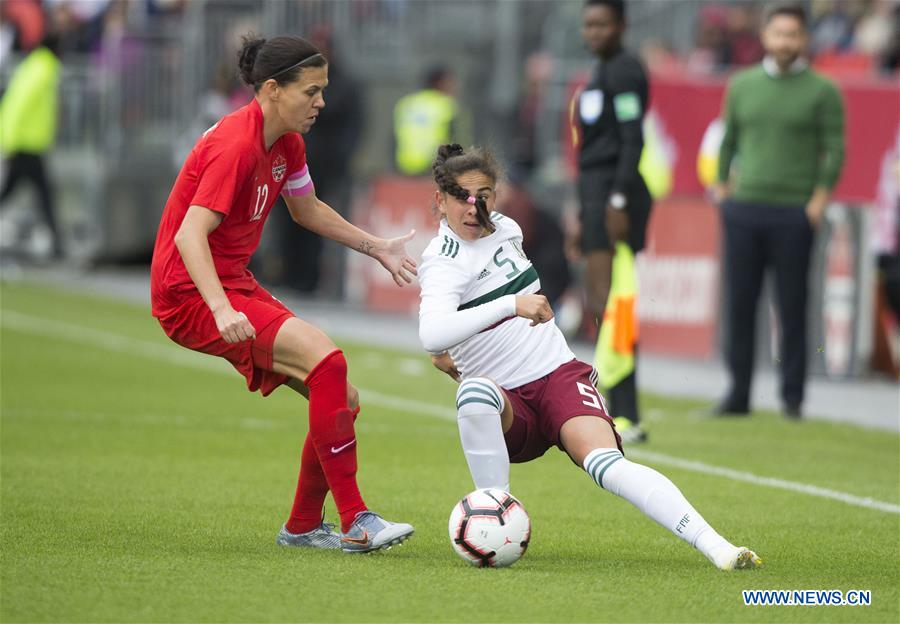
<point>206,300</point>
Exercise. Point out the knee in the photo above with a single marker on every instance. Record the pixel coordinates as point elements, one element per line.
<point>332,366</point>
<point>478,395</point>
<point>352,396</point>
<point>302,349</point>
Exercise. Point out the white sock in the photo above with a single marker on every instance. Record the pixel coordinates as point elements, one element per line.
<point>658,498</point>
<point>479,403</point>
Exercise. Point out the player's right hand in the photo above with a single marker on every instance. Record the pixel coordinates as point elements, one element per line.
<point>443,362</point>
<point>534,307</point>
<point>234,326</point>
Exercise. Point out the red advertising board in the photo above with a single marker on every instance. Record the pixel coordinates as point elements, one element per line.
<point>678,279</point>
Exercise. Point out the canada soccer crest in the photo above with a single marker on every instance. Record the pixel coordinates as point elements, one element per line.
<point>279,166</point>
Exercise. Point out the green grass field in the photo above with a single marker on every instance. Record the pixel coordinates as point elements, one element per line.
<point>141,482</point>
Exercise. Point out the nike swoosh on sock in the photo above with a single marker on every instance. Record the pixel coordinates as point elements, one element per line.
<point>343,446</point>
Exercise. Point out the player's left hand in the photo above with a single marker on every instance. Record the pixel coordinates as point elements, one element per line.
<point>616,225</point>
<point>443,362</point>
<point>815,207</point>
<point>815,210</point>
<point>391,253</point>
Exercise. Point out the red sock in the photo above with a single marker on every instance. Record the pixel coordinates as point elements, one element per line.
<point>312,487</point>
<point>306,514</point>
<point>331,429</point>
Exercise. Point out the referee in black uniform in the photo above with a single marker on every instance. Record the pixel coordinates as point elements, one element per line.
<point>615,202</point>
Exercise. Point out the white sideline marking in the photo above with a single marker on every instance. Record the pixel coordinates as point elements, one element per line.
<point>183,357</point>
<point>749,477</point>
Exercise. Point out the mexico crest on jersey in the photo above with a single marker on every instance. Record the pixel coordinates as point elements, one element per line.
<point>279,167</point>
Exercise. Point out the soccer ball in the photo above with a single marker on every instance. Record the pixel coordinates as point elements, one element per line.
<point>489,528</point>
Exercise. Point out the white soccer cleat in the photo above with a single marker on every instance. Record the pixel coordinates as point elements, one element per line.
<point>737,558</point>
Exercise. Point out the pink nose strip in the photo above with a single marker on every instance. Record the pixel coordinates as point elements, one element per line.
<point>471,200</point>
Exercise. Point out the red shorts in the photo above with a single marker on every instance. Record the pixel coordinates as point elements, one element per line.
<point>542,406</point>
<point>187,320</point>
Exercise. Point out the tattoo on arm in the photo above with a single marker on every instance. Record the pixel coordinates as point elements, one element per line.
<point>365,247</point>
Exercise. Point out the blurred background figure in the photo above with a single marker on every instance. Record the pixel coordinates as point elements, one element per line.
<point>425,119</point>
<point>787,163</point>
<point>710,54</point>
<point>886,245</point>
<point>832,28</point>
<point>308,263</point>
<point>744,46</point>
<point>615,201</point>
<point>80,22</point>
<point>726,37</point>
<point>22,25</point>
<point>877,34</point>
<point>524,152</point>
<point>28,119</point>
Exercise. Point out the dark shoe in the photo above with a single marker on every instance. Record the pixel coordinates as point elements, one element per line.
<point>793,412</point>
<point>729,408</point>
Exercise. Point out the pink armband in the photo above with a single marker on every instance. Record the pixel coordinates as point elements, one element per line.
<point>298,184</point>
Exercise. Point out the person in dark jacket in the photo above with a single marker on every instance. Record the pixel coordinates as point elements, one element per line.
<point>615,202</point>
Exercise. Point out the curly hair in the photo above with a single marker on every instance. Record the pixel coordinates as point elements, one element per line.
<point>452,161</point>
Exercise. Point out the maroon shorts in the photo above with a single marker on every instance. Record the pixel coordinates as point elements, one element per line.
<point>542,406</point>
<point>187,320</point>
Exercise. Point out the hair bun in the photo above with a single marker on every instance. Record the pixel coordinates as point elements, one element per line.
<point>449,151</point>
<point>247,57</point>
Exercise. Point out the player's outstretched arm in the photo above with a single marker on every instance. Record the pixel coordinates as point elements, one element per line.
<point>317,216</point>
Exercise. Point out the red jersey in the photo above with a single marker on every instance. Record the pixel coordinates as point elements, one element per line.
<point>228,171</point>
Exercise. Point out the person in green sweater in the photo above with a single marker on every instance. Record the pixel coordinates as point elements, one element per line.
<point>780,157</point>
<point>28,114</point>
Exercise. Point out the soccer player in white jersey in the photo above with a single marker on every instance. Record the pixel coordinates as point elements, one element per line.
<point>521,388</point>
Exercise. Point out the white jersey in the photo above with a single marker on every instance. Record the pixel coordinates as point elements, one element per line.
<point>468,307</point>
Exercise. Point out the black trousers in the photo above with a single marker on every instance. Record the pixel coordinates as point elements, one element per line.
<point>758,237</point>
<point>24,166</point>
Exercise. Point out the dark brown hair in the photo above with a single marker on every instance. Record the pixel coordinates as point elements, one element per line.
<point>452,161</point>
<point>281,58</point>
<point>792,9</point>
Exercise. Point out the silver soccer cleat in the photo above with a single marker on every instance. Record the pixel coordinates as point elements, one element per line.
<point>370,532</point>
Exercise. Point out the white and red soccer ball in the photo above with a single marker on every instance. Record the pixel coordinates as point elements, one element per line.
<point>490,528</point>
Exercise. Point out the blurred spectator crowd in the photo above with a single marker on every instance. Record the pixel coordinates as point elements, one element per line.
<point>846,37</point>
<point>82,25</point>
